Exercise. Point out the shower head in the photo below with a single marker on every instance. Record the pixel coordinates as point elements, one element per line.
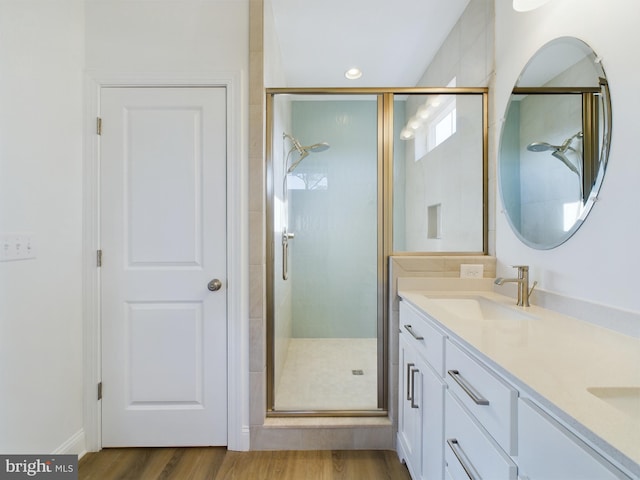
<point>317,147</point>
<point>303,151</point>
<point>541,147</point>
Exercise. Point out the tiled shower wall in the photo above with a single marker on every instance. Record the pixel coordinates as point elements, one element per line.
<point>257,258</point>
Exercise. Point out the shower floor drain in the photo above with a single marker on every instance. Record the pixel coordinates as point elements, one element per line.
<point>357,372</point>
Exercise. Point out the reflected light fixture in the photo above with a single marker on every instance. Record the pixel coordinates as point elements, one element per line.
<point>527,5</point>
<point>353,73</point>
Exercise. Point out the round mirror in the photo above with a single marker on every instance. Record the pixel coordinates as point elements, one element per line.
<point>555,142</point>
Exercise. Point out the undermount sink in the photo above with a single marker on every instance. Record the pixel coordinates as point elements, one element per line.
<point>625,399</point>
<point>478,308</point>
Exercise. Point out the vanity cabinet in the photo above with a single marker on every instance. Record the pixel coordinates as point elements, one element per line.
<point>548,451</point>
<point>459,418</point>
<point>421,397</point>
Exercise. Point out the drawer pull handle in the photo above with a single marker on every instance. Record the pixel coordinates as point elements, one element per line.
<point>463,459</point>
<point>409,365</point>
<point>413,334</point>
<point>413,388</point>
<point>466,386</point>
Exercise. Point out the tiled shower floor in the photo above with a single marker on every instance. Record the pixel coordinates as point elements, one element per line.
<point>318,375</point>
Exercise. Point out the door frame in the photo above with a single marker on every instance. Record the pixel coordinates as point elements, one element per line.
<point>238,426</point>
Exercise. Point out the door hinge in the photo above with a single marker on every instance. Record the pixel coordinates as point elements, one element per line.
<point>99,258</point>
<point>99,126</point>
<point>100,391</point>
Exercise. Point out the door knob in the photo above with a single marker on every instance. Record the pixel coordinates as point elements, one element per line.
<point>214,285</point>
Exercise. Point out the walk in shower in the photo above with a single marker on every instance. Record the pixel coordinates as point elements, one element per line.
<point>332,195</point>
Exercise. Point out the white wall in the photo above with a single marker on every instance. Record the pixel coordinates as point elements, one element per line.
<point>467,52</point>
<point>41,61</point>
<point>273,69</point>
<point>45,47</point>
<point>600,262</point>
<point>167,36</point>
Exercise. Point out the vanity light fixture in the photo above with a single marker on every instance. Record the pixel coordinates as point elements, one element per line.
<point>353,73</point>
<point>416,122</point>
<point>527,5</point>
<point>406,134</point>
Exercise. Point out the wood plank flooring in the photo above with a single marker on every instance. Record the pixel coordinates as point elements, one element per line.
<point>216,463</point>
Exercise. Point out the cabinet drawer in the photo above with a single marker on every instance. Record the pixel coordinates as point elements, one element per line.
<point>547,450</point>
<point>489,398</point>
<point>428,340</point>
<point>469,452</point>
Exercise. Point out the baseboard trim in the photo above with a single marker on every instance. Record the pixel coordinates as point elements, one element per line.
<point>242,442</point>
<point>74,445</point>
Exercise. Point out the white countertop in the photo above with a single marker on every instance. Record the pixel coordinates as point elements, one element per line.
<point>557,358</point>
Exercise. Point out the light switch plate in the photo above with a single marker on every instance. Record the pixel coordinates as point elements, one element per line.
<point>471,271</point>
<point>16,246</point>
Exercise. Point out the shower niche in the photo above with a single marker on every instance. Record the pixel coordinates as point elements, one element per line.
<point>345,190</point>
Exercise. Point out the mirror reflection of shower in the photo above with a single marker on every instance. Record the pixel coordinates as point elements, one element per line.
<point>289,165</point>
<point>560,152</point>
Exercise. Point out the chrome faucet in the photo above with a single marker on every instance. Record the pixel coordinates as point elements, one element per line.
<point>523,284</point>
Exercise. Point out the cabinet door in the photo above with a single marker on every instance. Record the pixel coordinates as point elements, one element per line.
<point>432,405</point>
<point>548,451</point>
<point>409,415</point>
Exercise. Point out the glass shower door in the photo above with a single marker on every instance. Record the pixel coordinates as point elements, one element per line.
<point>324,274</point>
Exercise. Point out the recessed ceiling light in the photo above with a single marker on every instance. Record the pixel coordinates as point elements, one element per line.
<point>353,73</point>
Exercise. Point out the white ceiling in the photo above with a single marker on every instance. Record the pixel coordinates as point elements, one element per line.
<point>392,41</point>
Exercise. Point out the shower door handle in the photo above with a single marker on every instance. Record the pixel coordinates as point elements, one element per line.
<point>286,236</point>
<point>285,262</point>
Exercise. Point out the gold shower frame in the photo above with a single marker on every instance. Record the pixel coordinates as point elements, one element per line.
<point>385,103</point>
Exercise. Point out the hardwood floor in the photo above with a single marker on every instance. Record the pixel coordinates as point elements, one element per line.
<point>216,463</point>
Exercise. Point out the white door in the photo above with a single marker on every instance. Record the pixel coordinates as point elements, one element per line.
<point>163,238</point>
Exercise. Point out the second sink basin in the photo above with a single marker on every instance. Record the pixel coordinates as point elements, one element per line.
<point>478,308</point>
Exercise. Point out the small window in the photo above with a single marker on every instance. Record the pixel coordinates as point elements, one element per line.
<point>443,129</point>
<point>443,124</point>
<point>433,123</point>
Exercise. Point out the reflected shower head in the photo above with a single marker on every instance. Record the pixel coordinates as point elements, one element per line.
<point>558,151</point>
<point>302,151</point>
<point>545,147</point>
